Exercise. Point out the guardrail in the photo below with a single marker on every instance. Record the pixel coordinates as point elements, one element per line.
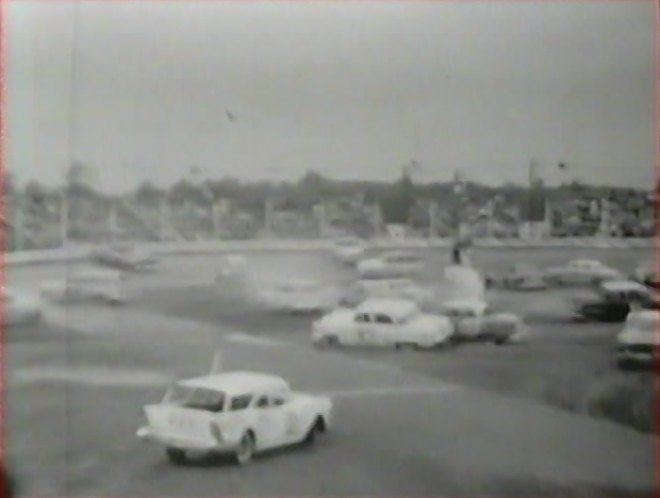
<point>77,253</point>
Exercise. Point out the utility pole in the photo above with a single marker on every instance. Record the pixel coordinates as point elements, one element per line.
<point>64,218</point>
<point>433,215</point>
<point>19,220</point>
<point>112,222</point>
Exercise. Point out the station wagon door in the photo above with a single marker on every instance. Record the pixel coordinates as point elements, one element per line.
<point>276,423</point>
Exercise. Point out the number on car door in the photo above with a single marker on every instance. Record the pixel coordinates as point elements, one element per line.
<point>272,424</point>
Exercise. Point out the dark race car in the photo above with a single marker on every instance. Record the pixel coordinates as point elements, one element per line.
<point>612,301</point>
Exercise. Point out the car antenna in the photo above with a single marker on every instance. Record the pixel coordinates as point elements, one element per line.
<point>216,363</point>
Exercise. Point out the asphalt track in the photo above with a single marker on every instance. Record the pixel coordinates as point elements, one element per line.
<point>78,382</point>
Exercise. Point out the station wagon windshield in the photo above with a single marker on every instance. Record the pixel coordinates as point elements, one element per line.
<point>195,398</point>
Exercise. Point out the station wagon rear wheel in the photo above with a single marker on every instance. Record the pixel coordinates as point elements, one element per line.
<point>329,341</point>
<point>245,450</point>
<point>176,455</point>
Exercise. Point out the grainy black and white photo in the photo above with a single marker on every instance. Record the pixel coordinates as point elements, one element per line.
<point>329,248</point>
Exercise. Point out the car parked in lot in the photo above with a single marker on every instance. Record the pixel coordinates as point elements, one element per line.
<point>349,250</point>
<point>19,308</point>
<point>382,322</point>
<point>96,285</point>
<point>580,272</point>
<point>647,274</point>
<point>232,266</point>
<point>398,288</point>
<point>298,296</point>
<point>474,320</point>
<point>391,264</point>
<point>238,413</point>
<point>638,344</point>
<point>124,257</point>
<point>611,301</point>
<point>521,276</point>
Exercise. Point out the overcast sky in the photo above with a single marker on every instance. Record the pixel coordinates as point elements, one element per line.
<point>349,89</point>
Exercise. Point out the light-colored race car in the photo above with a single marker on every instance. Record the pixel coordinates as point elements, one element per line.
<point>231,267</point>
<point>520,276</point>
<point>397,288</point>
<point>124,257</point>
<point>581,272</point>
<point>349,250</point>
<point>18,308</point>
<point>90,285</point>
<point>298,296</point>
<point>237,413</point>
<point>639,341</point>
<point>391,264</point>
<point>473,320</point>
<point>382,322</point>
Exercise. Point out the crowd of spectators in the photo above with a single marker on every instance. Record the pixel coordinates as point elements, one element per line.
<point>310,209</point>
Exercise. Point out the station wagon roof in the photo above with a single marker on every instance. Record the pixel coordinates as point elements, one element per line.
<point>384,282</point>
<point>466,303</point>
<point>298,284</point>
<point>97,274</point>
<point>622,286</point>
<point>400,253</point>
<point>396,308</point>
<point>237,382</point>
<point>585,262</point>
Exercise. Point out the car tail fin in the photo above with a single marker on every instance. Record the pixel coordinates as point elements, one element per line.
<point>178,421</point>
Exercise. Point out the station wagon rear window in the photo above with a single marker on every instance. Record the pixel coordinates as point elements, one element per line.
<point>195,398</point>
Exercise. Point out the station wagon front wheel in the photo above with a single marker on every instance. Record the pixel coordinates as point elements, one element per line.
<point>177,456</point>
<point>329,341</point>
<point>245,450</point>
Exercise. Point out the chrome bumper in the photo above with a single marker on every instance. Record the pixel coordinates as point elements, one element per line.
<point>147,434</point>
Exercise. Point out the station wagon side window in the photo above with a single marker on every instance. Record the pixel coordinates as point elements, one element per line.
<point>362,318</point>
<point>277,400</point>
<point>263,402</point>
<point>381,318</point>
<point>240,402</point>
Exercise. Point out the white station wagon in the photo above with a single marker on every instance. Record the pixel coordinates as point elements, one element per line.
<point>349,250</point>
<point>391,264</point>
<point>581,272</point>
<point>102,285</point>
<point>240,413</point>
<point>382,322</point>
